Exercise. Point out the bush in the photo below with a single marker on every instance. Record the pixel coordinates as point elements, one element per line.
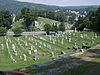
<point>17,31</point>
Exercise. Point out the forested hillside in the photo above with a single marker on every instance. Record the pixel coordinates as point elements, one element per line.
<point>13,6</point>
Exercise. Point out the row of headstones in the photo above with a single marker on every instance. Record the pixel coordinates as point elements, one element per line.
<point>53,38</point>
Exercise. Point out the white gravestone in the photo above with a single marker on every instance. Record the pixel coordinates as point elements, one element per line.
<point>35,55</point>
<point>2,46</point>
<point>25,57</point>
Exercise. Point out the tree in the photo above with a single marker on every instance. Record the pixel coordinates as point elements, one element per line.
<point>17,27</point>
<point>62,27</point>
<point>3,31</point>
<point>5,19</point>
<point>79,25</point>
<point>85,24</point>
<point>17,31</point>
<point>94,17</point>
<point>47,28</point>
<point>54,28</point>
<point>97,19</point>
<point>29,18</point>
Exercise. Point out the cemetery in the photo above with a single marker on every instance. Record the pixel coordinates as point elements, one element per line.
<point>39,39</point>
<point>20,52</point>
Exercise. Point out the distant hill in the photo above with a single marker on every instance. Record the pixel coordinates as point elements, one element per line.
<point>13,6</point>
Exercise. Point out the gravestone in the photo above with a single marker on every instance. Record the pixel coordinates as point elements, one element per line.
<point>26,44</point>
<point>81,35</point>
<point>69,39</point>
<point>26,36</point>
<point>62,42</point>
<point>95,35</point>
<point>30,52</point>
<point>35,55</point>
<point>2,46</point>
<point>24,57</point>
<point>44,45</point>
<point>13,58</point>
<point>52,55</point>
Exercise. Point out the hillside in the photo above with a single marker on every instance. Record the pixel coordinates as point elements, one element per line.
<point>13,6</point>
<point>41,21</point>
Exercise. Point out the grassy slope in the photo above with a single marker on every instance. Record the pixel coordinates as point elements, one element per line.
<point>79,41</point>
<point>6,63</point>
<point>91,67</point>
<point>46,20</point>
<point>88,68</point>
<point>40,20</point>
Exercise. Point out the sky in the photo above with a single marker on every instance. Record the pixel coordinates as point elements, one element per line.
<point>65,2</point>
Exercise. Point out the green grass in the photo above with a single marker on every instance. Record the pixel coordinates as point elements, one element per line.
<point>43,52</point>
<point>91,67</point>
<point>88,68</point>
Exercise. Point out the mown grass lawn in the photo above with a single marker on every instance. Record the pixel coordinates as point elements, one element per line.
<point>36,42</point>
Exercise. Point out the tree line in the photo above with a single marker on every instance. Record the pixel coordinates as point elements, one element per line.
<point>91,21</point>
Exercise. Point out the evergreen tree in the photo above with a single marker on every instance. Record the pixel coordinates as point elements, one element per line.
<point>62,27</point>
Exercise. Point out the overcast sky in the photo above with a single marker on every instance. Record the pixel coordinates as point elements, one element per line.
<point>65,2</point>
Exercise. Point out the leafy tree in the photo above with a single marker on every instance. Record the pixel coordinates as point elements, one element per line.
<point>3,31</point>
<point>85,24</point>
<point>97,20</point>
<point>62,27</point>
<point>5,19</point>
<point>94,17</point>
<point>29,17</point>
<point>17,27</point>
<point>17,31</point>
<point>47,28</point>
<point>79,25</point>
<point>54,28</point>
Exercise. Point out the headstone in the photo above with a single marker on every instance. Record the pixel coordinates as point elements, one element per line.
<point>66,37</point>
<point>52,55</point>
<point>82,50</point>
<point>13,47</point>
<point>69,39</point>
<point>26,44</point>
<point>30,52</point>
<point>36,43</point>
<point>62,42</point>
<point>49,47</point>
<point>75,30</point>
<point>81,35</point>
<point>20,57</point>
<point>13,58</point>
<point>31,47</point>
<point>26,36</point>
<point>25,57</point>
<point>41,43</point>
<point>18,39</point>
<point>29,38</point>
<point>44,45</point>
<point>9,40</point>
<point>35,55</point>
<point>95,35</point>
<point>2,46</point>
<point>40,47</point>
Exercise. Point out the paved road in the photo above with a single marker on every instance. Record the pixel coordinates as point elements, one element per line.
<point>27,33</point>
<point>34,33</point>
